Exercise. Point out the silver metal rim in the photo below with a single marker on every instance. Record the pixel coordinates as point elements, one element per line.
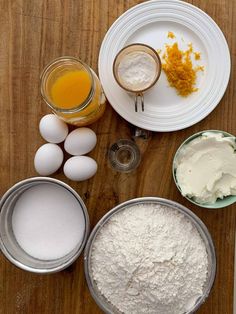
<point>194,219</point>
<point>86,217</point>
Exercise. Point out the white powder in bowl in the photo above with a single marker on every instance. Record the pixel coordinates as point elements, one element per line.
<point>48,221</point>
<point>150,259</point>
<point>137,70</point>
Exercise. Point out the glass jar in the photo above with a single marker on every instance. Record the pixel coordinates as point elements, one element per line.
<point>73,91</point>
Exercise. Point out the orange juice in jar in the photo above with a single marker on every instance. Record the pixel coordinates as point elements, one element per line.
<point>73,91</point>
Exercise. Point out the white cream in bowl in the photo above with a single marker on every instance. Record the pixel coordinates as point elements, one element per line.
<point>206,168</point>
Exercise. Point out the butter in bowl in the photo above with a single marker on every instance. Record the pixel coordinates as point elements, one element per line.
<point>204,169</point>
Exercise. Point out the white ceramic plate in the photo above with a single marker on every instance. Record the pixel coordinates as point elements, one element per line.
<point>149,23</point>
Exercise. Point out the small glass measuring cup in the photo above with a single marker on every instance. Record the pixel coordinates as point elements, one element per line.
<point>124,155</point>
<point>137,55</point>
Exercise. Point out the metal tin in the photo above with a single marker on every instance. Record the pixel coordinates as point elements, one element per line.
<point>202,229</point>
<point>9,246</point>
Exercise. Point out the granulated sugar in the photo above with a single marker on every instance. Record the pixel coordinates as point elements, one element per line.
<point>48,221</point>
<point>150,259</point>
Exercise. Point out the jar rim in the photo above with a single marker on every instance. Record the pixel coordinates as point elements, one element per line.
<point>50,67</point>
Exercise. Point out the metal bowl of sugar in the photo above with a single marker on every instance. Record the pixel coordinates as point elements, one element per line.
<point>44,225</point>
<point>150,255</point>
<point>219,202</point>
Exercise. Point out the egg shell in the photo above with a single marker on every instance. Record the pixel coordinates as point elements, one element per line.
<point>53,129</point>
<point>48,159</point>
<point>80,168</point>
<point>80,141</point>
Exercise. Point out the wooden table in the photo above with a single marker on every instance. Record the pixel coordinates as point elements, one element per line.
<point>33,32</point>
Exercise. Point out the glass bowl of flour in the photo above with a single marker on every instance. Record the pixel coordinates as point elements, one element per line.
<point>150,255</point>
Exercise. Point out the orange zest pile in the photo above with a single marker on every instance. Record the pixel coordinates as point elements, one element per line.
<point>171,35</point>
<point>197,55</point>
<point>179,69</point>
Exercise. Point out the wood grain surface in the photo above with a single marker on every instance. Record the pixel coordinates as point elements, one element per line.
<point>33,32</point>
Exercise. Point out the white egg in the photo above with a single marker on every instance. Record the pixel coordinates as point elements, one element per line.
<point>52,129</point>
<point>80,168</point>
<point>48,159</point>
<point>80,141</point>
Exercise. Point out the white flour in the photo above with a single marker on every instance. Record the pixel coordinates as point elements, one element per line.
<point>148,260</point>
<point>137,70</point>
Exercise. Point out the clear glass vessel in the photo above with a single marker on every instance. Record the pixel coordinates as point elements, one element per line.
<point>124,155</point>
<point>131,51</point>
<point>73,91</point>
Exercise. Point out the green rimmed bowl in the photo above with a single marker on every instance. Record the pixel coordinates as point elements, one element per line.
<point>220,203</point>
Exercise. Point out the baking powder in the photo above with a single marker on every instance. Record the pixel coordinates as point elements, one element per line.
<point>137,71</point>
<point>150,259</point>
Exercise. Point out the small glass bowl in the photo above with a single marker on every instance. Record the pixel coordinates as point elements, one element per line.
<point>124,155</point>
<point>220,203</point>
<point>202,229</point>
